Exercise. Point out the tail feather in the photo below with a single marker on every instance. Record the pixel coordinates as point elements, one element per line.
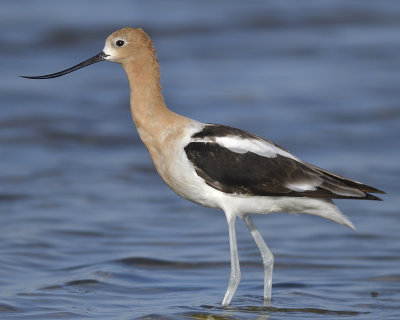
<point>372,197</point>
<point>357,187</point>
<point>325,208</point>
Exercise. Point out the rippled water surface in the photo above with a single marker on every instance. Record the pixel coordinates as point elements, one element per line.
<point>89,231</point>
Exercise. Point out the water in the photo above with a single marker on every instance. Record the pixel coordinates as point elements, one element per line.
<point>89,231</point>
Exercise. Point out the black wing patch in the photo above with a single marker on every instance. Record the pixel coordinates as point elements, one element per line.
<point>255,175</point>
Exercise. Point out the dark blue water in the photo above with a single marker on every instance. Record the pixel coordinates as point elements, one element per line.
<point>89,231</point>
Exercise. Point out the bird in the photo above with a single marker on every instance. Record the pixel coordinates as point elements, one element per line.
<point>219,166</point>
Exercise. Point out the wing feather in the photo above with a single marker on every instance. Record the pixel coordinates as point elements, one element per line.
<point>238,162</point>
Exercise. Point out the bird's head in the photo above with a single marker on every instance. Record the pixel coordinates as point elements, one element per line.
<point>122,46</point>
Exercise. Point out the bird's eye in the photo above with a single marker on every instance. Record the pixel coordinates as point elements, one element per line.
<point>120,43</point>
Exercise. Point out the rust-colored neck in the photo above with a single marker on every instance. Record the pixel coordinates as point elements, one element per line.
<point>147,102</point>
<point>154,121</point>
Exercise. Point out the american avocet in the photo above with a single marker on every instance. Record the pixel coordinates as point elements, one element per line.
<point>219,166</point>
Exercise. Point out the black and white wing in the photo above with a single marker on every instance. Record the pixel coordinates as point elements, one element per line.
<point>238,162</point>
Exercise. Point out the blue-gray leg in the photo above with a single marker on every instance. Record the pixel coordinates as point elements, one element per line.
<point>235,275</point>
<point>266,255</point>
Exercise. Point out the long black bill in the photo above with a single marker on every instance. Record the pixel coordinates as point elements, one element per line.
<point>97,58</point>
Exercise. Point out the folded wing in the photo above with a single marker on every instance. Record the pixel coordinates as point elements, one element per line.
<point>237,162</point>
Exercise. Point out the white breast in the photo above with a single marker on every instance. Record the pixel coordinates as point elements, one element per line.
<point>180,175</point>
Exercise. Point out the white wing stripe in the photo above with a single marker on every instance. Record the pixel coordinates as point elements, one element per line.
<point>242,145</point>
<point>300,187</point>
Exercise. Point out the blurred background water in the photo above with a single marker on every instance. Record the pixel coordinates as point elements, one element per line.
<point>89,231</point>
